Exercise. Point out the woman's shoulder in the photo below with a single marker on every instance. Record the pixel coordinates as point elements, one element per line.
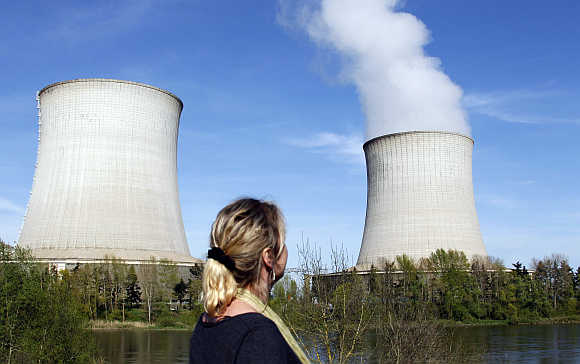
<point>246,327</point>
<point>236,328</point>
<point>248,320</point>
<point>263,343</point>
<point>254,320</point>
<point>245,338</point>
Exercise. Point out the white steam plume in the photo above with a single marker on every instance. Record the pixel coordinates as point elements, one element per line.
<point>400,87</point>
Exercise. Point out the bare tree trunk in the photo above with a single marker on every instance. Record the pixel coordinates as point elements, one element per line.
<point>149,307</point>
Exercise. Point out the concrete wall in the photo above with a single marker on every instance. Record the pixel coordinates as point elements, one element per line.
<point>420,197</point>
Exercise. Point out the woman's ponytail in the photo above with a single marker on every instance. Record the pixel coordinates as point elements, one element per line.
<point>219,287</point>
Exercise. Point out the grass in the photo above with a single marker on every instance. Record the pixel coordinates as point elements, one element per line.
<point>137,319</point>
<point>114,324</point>
<point>473,323</point>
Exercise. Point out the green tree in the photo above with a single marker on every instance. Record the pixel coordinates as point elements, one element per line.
<point>577,289</point>
<point>168,278</point>
<point>118,271</point>
<point>132,289</point>
<point>180,291</point>
<point>458,288</point>
<point>149,278</point>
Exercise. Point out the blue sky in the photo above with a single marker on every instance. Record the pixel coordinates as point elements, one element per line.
<point>268,113</point>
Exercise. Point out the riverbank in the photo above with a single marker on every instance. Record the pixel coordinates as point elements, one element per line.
<point>178,326</point>
<point>568,319</point>
<point>135,325</point>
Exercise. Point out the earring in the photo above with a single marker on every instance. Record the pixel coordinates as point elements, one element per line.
<point>273,275</point>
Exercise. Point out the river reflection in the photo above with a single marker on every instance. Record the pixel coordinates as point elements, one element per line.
<point>143,346</point>
<point>513,344</point>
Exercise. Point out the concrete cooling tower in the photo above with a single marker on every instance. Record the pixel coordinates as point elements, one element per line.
<point>105,183</point>
<point>420,197</point>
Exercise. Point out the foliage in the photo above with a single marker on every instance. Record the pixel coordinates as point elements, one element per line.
<point>42,318</point>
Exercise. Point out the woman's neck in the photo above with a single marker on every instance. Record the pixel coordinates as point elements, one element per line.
<point>237,307</point>
<point>260,290</point>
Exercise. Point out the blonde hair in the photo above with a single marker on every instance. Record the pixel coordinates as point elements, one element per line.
<point>242,229</point>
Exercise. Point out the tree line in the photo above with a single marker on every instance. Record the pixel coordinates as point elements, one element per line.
<point>156,292</point>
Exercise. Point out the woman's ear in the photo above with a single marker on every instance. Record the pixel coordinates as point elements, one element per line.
<point>268,258</point>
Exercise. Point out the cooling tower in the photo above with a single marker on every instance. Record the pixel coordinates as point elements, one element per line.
<point>105,183</point>
<point>419,198</point>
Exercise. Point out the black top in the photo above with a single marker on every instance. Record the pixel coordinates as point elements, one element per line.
<point>245,338</point>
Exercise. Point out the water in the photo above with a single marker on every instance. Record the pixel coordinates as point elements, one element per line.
<point>526,344</point>
<point>513,344</point>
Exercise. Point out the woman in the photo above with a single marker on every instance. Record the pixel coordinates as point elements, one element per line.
<point>247,257</point>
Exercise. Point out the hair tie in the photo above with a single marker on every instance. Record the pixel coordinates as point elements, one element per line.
<point>218,254</point>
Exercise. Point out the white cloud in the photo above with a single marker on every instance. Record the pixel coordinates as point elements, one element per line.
<point>8,206</point>
<point>9,226</point>
<point>510,106</point>
<point>21,105</point>
<point>99,19</point>
<point>497,201</point>
<point>474,100</point>
<point>346,147</point>
<point>523,243</point>
<point>524,182</point>
<point>137,73</point>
